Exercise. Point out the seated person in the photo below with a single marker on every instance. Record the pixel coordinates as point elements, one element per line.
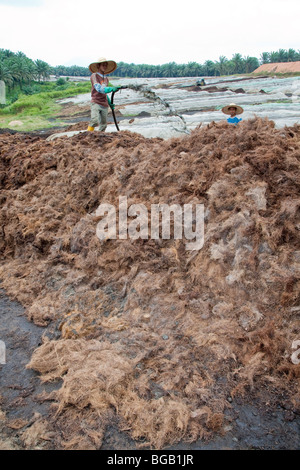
<point>201,82</point>
<point>233,109</point>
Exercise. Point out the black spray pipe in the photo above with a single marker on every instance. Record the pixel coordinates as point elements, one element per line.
<point>112,102</point>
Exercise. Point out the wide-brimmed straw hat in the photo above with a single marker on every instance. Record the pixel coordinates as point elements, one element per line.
<point>239,109</point>
<point>111,65</point>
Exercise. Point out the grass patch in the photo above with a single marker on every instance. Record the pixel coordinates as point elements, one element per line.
<point>34,110</point>
<point>43,101</point>
<point>29,123</point>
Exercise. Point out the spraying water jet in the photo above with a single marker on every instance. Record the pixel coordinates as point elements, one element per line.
<point>152,96</point>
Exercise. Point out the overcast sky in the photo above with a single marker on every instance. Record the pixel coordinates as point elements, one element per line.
<point>73,32</point>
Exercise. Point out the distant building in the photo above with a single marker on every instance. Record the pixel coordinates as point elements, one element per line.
<point>280,67</point>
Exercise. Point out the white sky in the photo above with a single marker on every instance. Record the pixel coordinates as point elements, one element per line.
<point>73,32</point>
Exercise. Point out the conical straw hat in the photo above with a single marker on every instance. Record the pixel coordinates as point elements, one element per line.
<point>111,65</point>
<point>239,109</point>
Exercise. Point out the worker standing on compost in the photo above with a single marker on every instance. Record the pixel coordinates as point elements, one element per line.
<point>100,88</point>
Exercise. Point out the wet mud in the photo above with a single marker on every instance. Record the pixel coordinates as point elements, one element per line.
<point>254,424</point>
<point>22,405</point>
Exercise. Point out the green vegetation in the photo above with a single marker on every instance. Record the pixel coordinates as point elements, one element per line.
<point>18,70</point>
<point>282,55</point>
<point>34,102</point>
<point>193,69</point>
<point>224,66</point>
<point>39,98</point>
<point>28,123</point>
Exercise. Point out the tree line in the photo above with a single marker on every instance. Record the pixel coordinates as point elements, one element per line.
<point>16,69</point>
<point>223,66</point>
<point>236,65</point>
<point>282,55</point>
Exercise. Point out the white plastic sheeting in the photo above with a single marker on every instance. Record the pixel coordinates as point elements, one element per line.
<point>275,98</point>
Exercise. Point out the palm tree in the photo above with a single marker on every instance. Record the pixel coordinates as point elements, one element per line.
<point>238,63</point>
<point>292,55</point>
<point>122,70</point>
<point>229,66</point>
<point>5,54</point>
<point>282,55</point>
<point>43,69</point>
<point>250,63</point>
<point>221,65</point>
<point>193,69</point>
<point>274,57</point>
<point>265,58</point>
<point>15,71</point>
<point>209,68</point>
<point>5,75</point>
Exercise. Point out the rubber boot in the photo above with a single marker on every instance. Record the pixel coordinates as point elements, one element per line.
<point>90,128</point>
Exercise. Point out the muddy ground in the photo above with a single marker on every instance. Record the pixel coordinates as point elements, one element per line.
<point>256,423</point>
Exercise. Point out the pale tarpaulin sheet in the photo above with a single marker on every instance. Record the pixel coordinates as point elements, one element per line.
<point>2,92</point>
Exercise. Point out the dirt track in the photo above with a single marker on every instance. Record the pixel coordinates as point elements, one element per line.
<point>170,346</point>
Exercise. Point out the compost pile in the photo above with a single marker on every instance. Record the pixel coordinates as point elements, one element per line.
<point>160,337</point>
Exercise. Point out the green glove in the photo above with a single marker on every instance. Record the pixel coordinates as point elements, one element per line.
<point>112,106</point>
<point>109,89</point>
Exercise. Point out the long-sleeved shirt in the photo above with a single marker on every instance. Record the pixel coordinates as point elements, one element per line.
<point>99,82</point>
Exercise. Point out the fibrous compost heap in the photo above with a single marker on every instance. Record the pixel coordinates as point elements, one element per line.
<point>145,329</point>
